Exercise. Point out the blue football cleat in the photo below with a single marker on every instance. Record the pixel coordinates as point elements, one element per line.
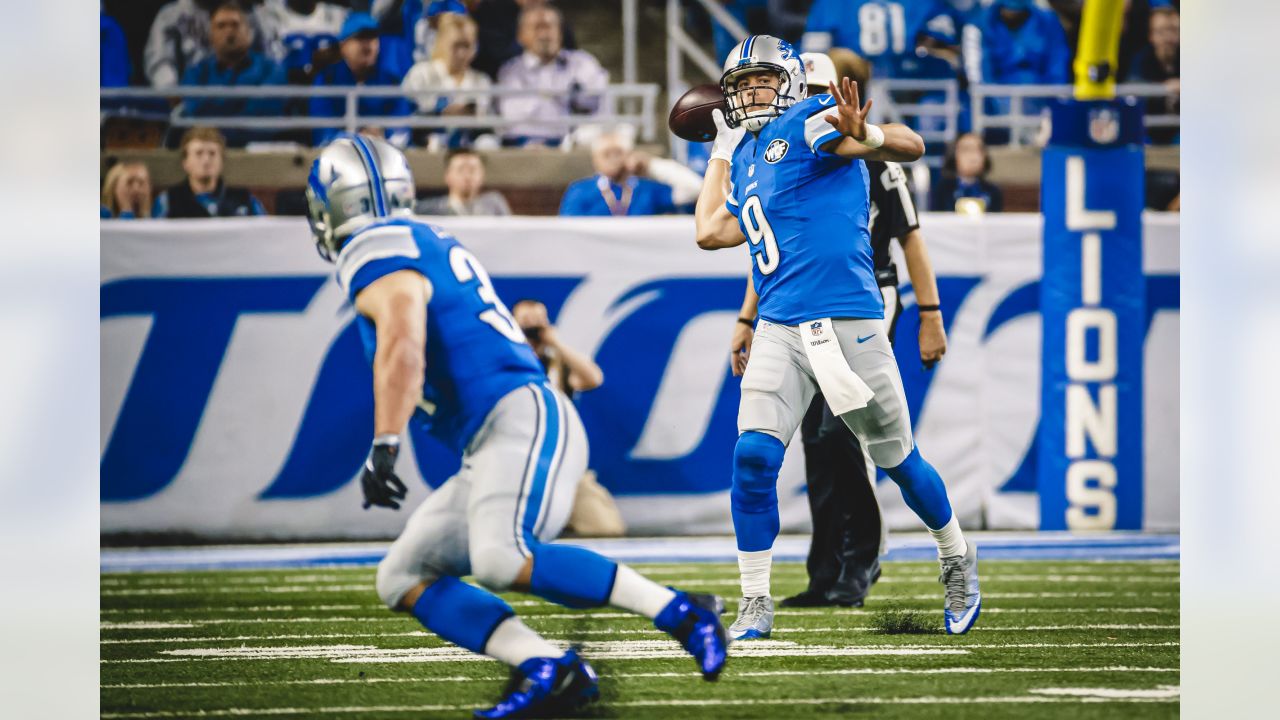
<point>963,603</point>
<point>693,619</point>
<point>547,687</point>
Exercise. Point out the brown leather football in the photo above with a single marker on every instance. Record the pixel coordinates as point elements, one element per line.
<point>690,117</point>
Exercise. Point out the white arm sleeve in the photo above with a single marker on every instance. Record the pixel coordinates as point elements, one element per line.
<point>685,184</point>
<point>161,66</point>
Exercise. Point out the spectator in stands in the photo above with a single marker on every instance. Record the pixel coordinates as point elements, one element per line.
<point>179,38</point>
<point>126,192</point>
<point>464,176</point>
<point>113,54</point>
<point>1159,63</point>
<point>233,63</point>
<point>964,185</point>
<point>885,33</point>
<point>499,28</point>
<point>301,34</point>
<point>410,27</point>
<point>203,194</point>
<point>1017,43</point>
<point>449,69</point>
<point>359,46</point>
<point>620,186</point>
<point>545,65</point>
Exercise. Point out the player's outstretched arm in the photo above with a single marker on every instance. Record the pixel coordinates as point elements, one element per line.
<point>716,226</point>
<point>893,142</point>
<point>397,305</point>
<point>933,336</point>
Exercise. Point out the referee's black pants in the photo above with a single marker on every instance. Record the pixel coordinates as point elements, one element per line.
<point>847,527</point>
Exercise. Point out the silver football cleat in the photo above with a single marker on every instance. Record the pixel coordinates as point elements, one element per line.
<point>755,619</point>
<point>959,580</point>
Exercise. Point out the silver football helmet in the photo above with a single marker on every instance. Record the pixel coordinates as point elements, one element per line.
<point>356,181</point>
<point>756,54</point>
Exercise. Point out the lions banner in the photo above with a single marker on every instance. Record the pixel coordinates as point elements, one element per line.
<point>236,401</point>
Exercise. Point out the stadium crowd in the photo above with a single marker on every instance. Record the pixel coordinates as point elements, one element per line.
<point>436,50</point>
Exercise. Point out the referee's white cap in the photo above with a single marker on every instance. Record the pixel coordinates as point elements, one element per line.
<point>818,69</point>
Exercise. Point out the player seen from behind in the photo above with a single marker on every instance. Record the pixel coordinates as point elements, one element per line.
<point>447,353</point>
<point>787,175</point>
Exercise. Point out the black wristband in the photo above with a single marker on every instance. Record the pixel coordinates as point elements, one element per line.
<point>748,323</point>
<point>929,308</point>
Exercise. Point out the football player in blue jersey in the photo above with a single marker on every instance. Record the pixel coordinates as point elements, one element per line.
<point>447,353</point>
<point>787,176</point>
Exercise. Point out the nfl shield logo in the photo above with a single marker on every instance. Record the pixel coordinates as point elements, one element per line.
<point>1104,125</point>
<point>776,150</point>
<point>816,328</point>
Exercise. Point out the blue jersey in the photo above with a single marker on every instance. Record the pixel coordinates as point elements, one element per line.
<point>475,352</point>
<point>882,31</point>
<point>805,214</point>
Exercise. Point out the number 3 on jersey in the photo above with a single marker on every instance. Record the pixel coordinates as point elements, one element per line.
<point>466,268</point>
<point>760,235</point>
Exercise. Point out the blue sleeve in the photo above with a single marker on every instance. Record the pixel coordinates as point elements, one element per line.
<point>572,204</point>
<point>375,253</point>
<point>731,200</point>
<point>103,212</point>
<point>1059,54</point>
<point>113,54</point>
<point>273,76</point>
<point>160,209</point>
<point>662,203</point>
<point>196,107</point>
<point>255,206</point>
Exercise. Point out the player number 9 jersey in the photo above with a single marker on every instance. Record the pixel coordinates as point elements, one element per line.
<point>805,214</point>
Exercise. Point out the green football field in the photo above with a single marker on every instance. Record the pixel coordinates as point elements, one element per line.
<point>1066,639</point>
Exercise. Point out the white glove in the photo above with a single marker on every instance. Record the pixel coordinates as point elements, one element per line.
<point>727,138</point>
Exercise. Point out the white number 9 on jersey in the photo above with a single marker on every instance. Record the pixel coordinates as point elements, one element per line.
<point>760,235</point>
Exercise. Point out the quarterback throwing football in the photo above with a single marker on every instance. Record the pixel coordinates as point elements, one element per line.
<point>787,176</point>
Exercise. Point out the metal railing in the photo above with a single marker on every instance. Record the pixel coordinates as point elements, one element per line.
<point>352,119</point>
<point>1024,119</point>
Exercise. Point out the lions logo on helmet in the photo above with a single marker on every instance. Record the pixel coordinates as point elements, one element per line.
<point>762,53</point>
<point>356,181</point>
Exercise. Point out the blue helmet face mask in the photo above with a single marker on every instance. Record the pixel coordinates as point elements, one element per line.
<point>355,182</point>
<point>757,54</point>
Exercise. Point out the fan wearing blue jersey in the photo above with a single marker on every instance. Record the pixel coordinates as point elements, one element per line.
<point>787,177</point>
<point>446,353</point>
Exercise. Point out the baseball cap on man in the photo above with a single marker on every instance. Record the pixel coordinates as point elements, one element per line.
<point>818,70</point>
<point>439,7</point>
<point>357,23</point>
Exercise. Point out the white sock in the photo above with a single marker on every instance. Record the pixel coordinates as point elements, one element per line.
<point>512,642</point>
<point>949,538</point>
<point>754,568</point>
<point>637,593</point>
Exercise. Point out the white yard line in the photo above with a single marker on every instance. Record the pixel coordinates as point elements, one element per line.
<point>673,675</point>
<point>834,612</point>
<point>541,603</point>
<point>993,700</point>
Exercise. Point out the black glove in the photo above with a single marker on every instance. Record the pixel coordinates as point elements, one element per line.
<point>379,481</point>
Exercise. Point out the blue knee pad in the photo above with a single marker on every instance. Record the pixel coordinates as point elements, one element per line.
<point>923,490</point>
<point>757,457</point>
<point>463,614</point>
<point>572,576</point>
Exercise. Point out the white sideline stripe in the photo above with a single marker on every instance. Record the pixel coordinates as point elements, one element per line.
<point>968,647</point>
<point>674,675</point>
<point>540,603</point>
<point>607,650</point>
<point>994,700</point>
<point>842,612</point>
<point>781,569</point>
<point>144,625</point>
<point>1161,691</point>
<point>222,588</point>
<point>609,631</point>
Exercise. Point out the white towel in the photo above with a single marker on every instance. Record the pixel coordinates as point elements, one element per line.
<point>841,386</point>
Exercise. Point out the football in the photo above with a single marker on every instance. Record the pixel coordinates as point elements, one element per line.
<point>690,117</point>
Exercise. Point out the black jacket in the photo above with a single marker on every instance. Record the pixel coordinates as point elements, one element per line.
<point>180,201</point>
